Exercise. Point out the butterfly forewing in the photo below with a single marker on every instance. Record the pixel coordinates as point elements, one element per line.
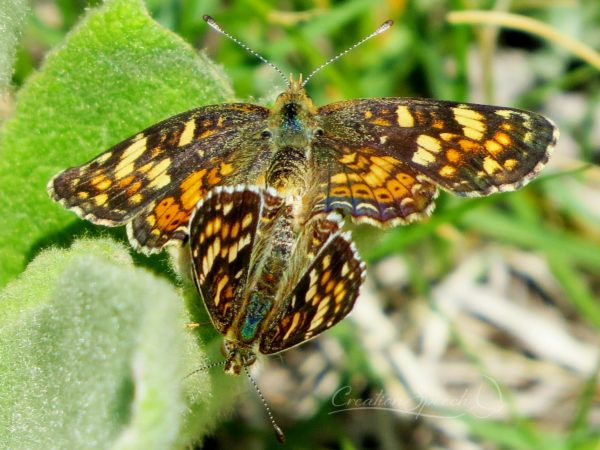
<point>157,176</point>
<point>386,156</point>
<point>323,296</point>
<point>223,233</point>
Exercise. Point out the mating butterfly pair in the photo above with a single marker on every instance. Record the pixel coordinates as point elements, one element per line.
<point>379,161</point>
<point>266,287</point>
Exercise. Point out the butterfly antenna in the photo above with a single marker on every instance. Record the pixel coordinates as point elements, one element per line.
<point>278,431</point>
<point>214,25</point>
<point>206,367</point>
<point>383,27</point>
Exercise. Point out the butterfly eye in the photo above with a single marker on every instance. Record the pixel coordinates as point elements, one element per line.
<point>266,134</point>
<point>319,132</point>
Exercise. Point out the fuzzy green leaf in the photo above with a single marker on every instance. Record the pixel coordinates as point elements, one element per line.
<point>90,348</point>
<point>12,19</point>
<point>93,355</point>
<point>116,73</point>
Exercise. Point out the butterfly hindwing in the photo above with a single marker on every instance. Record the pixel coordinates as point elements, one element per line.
<point>156,177</point>
<point>323,295</point>
<point>386,156</point>
<point>224,230</point>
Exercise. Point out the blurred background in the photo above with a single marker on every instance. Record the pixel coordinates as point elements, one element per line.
<point>478,328</point>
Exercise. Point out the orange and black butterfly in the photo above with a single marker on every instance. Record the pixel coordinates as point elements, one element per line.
<point>267,288</point>
<point>377,160</point>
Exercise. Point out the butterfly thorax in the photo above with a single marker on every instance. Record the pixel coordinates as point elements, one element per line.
<point>293,126</point>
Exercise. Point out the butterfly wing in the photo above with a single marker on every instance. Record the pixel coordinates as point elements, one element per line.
<point>323,295</point>
<point>385,157</point>
<point>154,179</point>
<point>224,229</point>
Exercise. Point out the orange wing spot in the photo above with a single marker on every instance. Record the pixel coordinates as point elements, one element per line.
<point>491,166</point>
<point>207,133</point>
<point>193,181</point>
<point>325,277</point>
<point>506,126</point>
<point>439,124</point>
<point>163,206</point>
<point>339,288</point>
<point>382,195</point>
<point>98,179</point>
<point>192,190</point>
<point>493,147</point>
<point>447,171</point>
<point>341,191</point>
<point>503,138</point>
<point>339,178</point>
<point>146,167</point>
<point>226,169</point>
<point>376,177</point>
<point>453,156</point>
<point>381,122</point>
<point>339,298</point>
<point>124,182</point>
<point>101,199</point>
<point>101,182</point>
<point>136,199</point>
<point>396,188</point>
<point>235,229</point>
<point>330,286</point>
<point>190,198</point>
<point>213,177</point>
<point>449,137</point>
<point>405,179</point>
<point>349,158</point>
<point>469,146</point>
<point>510,164</point>
<point>360,190</point>
<point>82,195</point>
<point>134,188</point>
<point>225,230</point>
<point>171,218</point>
<point>387,163</point>
<point>104,185</point>
<point>368,114</point>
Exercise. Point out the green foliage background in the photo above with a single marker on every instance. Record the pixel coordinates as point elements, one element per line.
<point>93,343</point>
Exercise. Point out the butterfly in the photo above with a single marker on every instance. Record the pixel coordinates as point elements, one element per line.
<point>266,287</point>
<point>377,160</point>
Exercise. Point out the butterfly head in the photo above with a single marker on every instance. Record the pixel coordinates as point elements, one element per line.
<point>238,356</point>
<point>293,120</point>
